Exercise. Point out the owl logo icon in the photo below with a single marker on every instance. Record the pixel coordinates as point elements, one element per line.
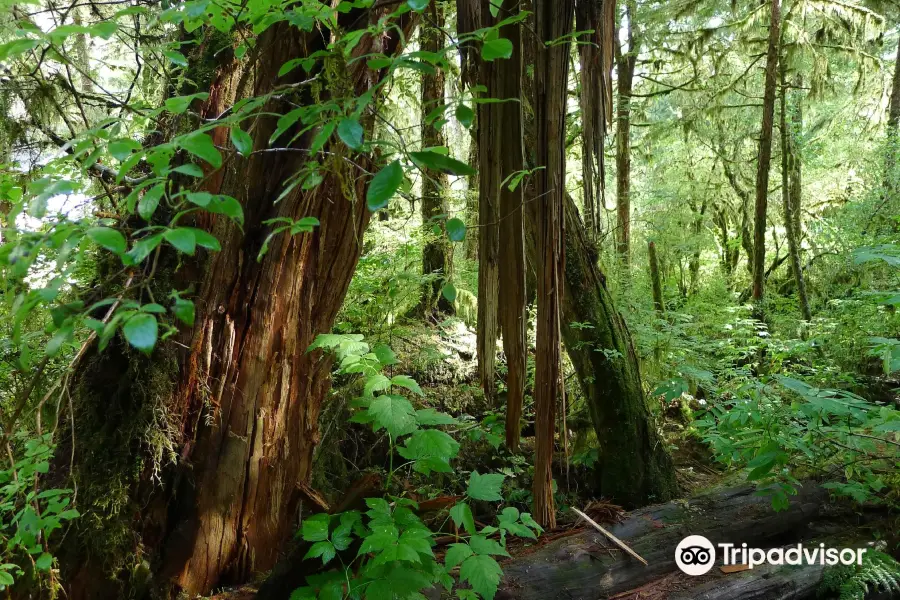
<point>695,555</point>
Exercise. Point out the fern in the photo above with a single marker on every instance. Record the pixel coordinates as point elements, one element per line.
<point>878,572</point>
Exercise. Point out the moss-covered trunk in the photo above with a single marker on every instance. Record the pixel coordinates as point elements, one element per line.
<point>232,408</point>
<point>634,467</point>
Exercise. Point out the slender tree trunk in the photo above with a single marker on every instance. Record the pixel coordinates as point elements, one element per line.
<point>595,98</point>
<point>625,67</point>
<point>436,252</point>
<point>507,83</point>
<point>553,20</point>
<point>765,153</point>
<point>472,199</point>
<point>655,281</point>
<point>239,397</point>
<point>489,179</point>
<point>893,124</point>
<point>791,188</point>
<point>634,467</point>
<point>696,231</point>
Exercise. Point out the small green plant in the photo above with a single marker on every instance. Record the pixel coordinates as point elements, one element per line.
<point>28,515</point>
<point>878,572</point>
<point>386,552</point>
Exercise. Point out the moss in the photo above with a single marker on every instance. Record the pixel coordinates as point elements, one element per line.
<point>124,439</point>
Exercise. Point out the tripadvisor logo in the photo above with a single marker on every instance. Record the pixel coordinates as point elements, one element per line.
<point>695,555</point>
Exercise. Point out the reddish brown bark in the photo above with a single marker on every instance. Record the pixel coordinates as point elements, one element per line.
<point>508,84</point>
<point>625,67</point>
<point>247,393</point>
<point>553,20</point>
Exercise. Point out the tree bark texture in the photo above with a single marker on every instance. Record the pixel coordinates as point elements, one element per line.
<point>588,566</point>
<point>634,466</point>
<point>625,67</point>
<point>242,395</point>
<point>655,283</point>
<point>765,153</point>
<point>791,186</point>
<point>596,59</point>
<point>893,125</point>
<point>436,251</point>
<point>553,19</point>
<point>507,83</point>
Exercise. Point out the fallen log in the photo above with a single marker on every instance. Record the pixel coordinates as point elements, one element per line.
<point>588,566</point>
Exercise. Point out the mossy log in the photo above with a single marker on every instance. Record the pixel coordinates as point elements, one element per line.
<point>588,565</point>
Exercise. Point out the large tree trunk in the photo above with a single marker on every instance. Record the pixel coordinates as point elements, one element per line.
<point>626,63</point>
<point>634,467</point>
<point>240,397</point>
<point>553,20</point>
<point>765,154</point>
<point>791,190</point>
<point>436,252</point>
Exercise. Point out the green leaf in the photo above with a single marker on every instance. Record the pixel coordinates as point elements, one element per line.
<point>315,528</point>
<point>393,413</point>
<point>432,449</point>
<point>176,57</point>
<point>384,185</point>
<point>242,141</point>
<point>6,578</point>
<point>204,239</point>
<point>143,248</point>
<point>449,292</point>
<point>123,148</point>
<point>483,574</point>
<point>351,133</point>
<point>498,48</point>
<point>405,381</point>
<point>494,7</point>
<point>183,239</point>
<point>418,5</point>
<point>465,116</point>
<point>179,104</point>
<point>325,549</point>
<point>140,331</point>
<point>201,145</point>
<point>189,169</point>
<point>228,206</point>
<point>16,47</point>
<point>431,417</point>
<point>456,230</point>
<point>462,516</point>
<point>483,545</point>
<point>441,162</point>
<point>44,562</point>
<point>149,202</point>
<point>385,355</point>
<point>485,487</point>
<point>108,238</point>
<point>376,383</point>
<point>184,311</point>
<point>456,553</point>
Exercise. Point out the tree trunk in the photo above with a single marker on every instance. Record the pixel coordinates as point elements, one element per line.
<point>625,67</point>
<point>655,282</point>
<point>634,467</point>
<point>893,124</point>
<point>791,190</point>
<point>765,154</point>
<point>553,20</point>
<point>596,58</point>
<point>436,252</point>
<point>238,400</point>
<point>489,179</point>
<point>507,83</point>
